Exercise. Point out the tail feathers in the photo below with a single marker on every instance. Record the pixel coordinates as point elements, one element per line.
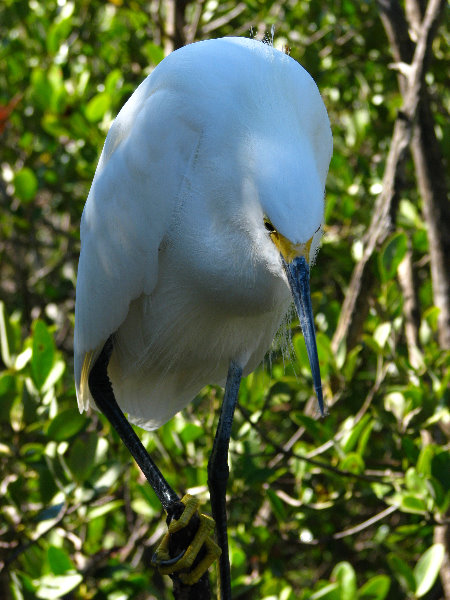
<point>83,365</point>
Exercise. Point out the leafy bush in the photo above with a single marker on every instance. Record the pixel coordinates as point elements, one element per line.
<point>352,506</point>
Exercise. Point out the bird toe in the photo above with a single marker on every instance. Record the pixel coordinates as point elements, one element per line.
<point>190,564</point>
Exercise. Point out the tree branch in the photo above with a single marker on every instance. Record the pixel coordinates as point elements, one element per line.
<point>355,304</point>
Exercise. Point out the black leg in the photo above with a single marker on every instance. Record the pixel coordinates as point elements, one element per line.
<point>179,541</point>
<point>218,473</point>
<point>103,395</point>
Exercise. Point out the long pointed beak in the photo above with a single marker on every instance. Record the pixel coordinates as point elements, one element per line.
<point>297,272</point>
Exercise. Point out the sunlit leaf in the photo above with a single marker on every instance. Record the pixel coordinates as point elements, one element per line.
<point>99,511</point>
<point>392,254</point>
<point>353,463</point>
<point>427,569</point>
<point>425,460</point>
<point>377,588</point>
<point>345,575</point>
<point>43,353</point>
<point>25,184</point>
<point>97,107</point>
<point>6,341</point>
<point>329,592</point>
<point>51,587</point>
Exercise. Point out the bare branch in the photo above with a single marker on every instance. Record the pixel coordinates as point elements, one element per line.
<point>405,275</point>
<point>427,155</point>
<point>355,303</point>
<point>223,19</point>
<point>365,524</point>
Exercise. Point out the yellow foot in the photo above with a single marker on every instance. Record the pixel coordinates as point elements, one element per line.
<point>182,566</point>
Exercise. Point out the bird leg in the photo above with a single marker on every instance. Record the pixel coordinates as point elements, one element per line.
<point>218,473</point>
<point>188,546</point>
<point>103,395</point>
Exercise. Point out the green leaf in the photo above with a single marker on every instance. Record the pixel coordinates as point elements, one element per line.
<point>402,572</point>
<point>431,315</point>
<point>409,214</point>
<point>351,361</point>
<point>25,184</point>
<point>364,438</point>
<point>345,575</point>
<point>23,359</point>
<point>415,482</point>
<point>154,53</point>
<point>440,468</point>
<point>41,89</point>
<point>97,107</point>
<point>427,569</point>
<point>43,353</point>
<point>391,255</point>
<point>6,341</point>
<point>56,586</point>
<point>382,333</point>
<point>59,561</point>
<point>6,383</point>
<point>395,403</point>
<point>410,450</point>
<point>108,478</point>
<point>191,432</point>
<point>114,82</point>
<point>57,33</point>
<point>66,424</point>
<point>56,372</point>
<point>141,507</point>
<point>301,353</point>
<point>329,592</point>
<point>59,94</point>
<point>412,504</point>
<point>326,356</point>
<point>425,460</point>
<point>311,425</point>
<point>277,505</point>
<point>99,511</point>
<point>81,458</point>
<point>350,439</point>
<point>353,463</point>
<point>32,452</point>
<point>376,588</point>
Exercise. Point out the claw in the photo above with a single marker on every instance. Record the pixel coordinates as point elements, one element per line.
<point>184,561</point>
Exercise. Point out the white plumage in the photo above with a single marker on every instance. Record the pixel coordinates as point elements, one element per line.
<point>175,259</point>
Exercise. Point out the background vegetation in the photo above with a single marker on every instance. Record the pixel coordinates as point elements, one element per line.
<point>352,506</point>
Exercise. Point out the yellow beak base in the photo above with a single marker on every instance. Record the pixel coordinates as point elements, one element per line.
<point>288,250</point>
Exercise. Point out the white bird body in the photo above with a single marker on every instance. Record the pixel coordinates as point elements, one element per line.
<point>175,259</point>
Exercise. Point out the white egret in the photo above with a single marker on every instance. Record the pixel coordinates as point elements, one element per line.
<point>204,213</point>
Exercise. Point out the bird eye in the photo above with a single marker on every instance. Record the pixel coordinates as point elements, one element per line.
<point>268,225</point>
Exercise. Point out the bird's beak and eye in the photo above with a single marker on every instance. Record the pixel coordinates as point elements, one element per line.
<point>295,261</point>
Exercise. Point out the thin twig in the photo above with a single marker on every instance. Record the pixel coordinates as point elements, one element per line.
<point>352,530</point>
<point>316,463</point>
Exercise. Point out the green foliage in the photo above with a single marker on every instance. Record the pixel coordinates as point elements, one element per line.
<point>340,508</point>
